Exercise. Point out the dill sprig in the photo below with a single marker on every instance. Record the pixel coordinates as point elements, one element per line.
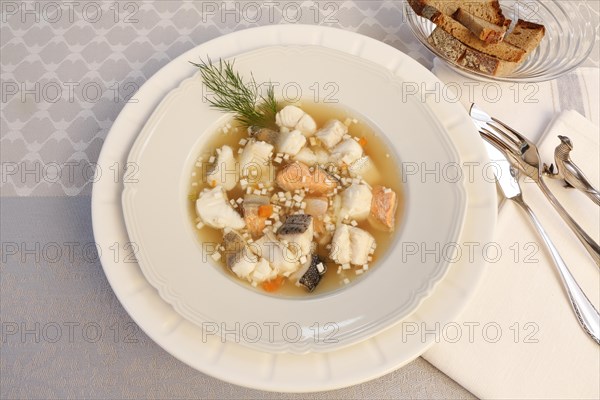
<point>231,94</point>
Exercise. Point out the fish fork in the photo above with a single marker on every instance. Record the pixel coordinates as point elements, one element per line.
<point>507,179</point>
<point>523,153</point>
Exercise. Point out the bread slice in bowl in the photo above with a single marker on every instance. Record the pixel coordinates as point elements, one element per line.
<point>467,57</point>
<point>484,30</point>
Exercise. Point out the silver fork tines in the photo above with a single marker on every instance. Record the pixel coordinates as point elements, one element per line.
<point>524,155</point>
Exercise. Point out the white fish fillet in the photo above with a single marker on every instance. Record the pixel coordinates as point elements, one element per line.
<point>215,211</point>
<point>332,133</point>
<point>365,168</point>
<point>256,158</point>
<point>225,172</point>
<point>340,245</point>
<point>347,152</point>
<point>306,156</point>
<point>361,242</point>
<point>292,117</point>
<point>263,272</point>
<point>351,245</point>
<point>291,142</point>
<point>281,258</point>
<point>356,202</point>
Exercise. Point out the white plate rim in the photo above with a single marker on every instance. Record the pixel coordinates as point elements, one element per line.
<point>178,337</point>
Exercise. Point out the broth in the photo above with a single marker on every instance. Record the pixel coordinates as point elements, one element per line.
<point>382,157</point>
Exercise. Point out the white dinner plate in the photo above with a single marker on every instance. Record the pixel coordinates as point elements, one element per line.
<point>239,364</point>
<point>155,206</point>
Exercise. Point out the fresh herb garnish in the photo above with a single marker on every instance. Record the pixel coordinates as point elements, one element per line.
<point>230,94</point>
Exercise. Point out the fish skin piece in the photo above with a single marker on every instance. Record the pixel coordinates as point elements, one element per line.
<point>291,142</point>
<point>298,231</point>
<point>215,211</point>
<point>238,257</point>
<point>265,135</point>
<point>361,242</point>
<point>297,175</point>
<point>340,245</point>
<point>356,202</point>
<point>254,222</point>
<point>383,209</point>
<point>309,275</point>
<point>347,152</point>
<point>224,170</point>
<point>331,133</point>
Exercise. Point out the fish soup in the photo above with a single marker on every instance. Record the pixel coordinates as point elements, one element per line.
<point>301,208</point>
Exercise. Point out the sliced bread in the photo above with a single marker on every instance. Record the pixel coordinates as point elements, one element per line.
<point>440,11</point>
<point>526,35</point>
<point>503,50</point>
<point>488,10</point>
<point>468,57</point>
<point>484,30</point>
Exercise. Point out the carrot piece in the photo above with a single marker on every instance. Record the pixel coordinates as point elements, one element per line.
<point>265,211</point>
<point>362,141</point>
<point>273,285</point>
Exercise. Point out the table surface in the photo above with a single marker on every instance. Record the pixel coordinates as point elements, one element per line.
<point>67,70</point>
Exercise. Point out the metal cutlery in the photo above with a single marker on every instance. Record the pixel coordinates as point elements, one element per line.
<point>507,179</point>
<point>523,153</point>
<point>569,172</point>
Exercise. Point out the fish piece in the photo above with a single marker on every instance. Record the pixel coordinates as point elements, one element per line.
<point>307,125</point>
<point>298,175</point>
<point>309,275</point>
<point>332,133</point>
<point>317,207</point>
<point>340,245</point>
<point>254,221</point>
<point>279,256</point>
<point>347,152</point>
<point>263,271</point>
<point>356,202</point>
<point>361,245</point>
<point>237,256</point>
<point>264,134</point>
<point>255,161</point>
<point>365,168</point>
<point>322,155</point>
<point>383,208</point>
<point>291,142</point>
<point>306,156</point>
<point>215,211</point>
<point>294,118</point>
<point>297,231</point>
<point>223,171</point>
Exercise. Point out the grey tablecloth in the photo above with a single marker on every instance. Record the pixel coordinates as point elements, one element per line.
<point>67,70</point>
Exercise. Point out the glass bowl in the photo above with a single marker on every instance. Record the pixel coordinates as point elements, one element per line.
<point>570,36</point>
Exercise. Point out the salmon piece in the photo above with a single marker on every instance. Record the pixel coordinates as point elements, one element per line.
<point>255,222</point>
<point>297,175</point>
<point>383,208</point>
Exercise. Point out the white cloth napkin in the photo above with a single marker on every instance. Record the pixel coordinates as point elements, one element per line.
<point>532,345</point>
